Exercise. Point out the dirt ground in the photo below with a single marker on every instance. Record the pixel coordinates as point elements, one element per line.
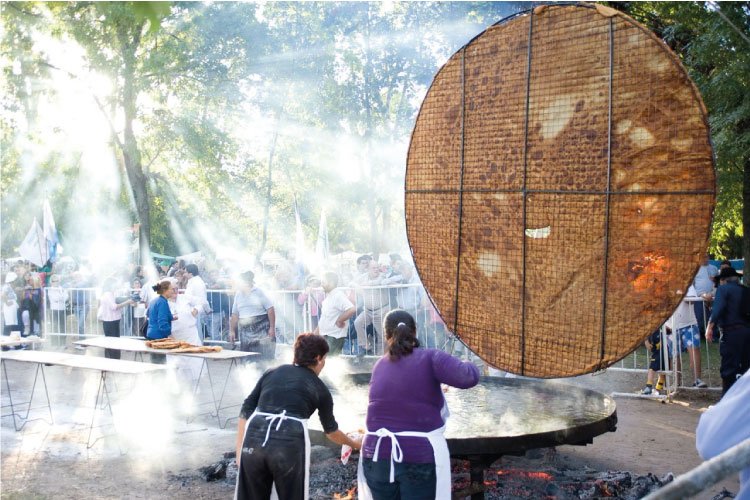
<point>161,443</point>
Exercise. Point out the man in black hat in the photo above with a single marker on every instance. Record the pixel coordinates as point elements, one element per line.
<point>728,315</point>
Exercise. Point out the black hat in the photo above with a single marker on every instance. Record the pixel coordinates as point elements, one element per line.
<point>727,272</point>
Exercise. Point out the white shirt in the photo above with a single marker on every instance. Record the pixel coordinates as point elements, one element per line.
<point>183,328</point>
<point>335,304</point>
<point>57,297</point>
<point>197,294</point>
<point>683,316</point>
<point>10,312</point>
<point>703,281</point>
<point>725,425</point>
<point>148,294</point>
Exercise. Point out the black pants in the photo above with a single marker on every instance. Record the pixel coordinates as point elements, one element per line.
<point>734,348</point>
<point>280,461</point>
<point>111,329</point>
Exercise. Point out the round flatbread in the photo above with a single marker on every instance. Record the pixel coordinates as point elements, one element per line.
<point>559,189</point>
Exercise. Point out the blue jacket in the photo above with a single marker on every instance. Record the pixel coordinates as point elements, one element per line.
<point>727,308</point>
<point>159,319</point>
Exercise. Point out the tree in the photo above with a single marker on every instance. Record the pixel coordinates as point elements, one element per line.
<point>713,41</point>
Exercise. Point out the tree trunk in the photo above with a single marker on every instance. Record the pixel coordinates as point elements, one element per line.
<point>269,183</point>
<point>746,217</point>
<point>130,40</point>
<point>367,82</point>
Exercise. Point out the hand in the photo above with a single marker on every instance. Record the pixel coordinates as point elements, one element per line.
<point>194,312</point>
<point>231,336</point>
<point>357,442</point>
<point>272,332</point>
<point>710,332</point>
<point>340,323</point>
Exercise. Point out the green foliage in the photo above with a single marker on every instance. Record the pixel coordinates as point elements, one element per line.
<point>713,45</point>
<point>220,94</point>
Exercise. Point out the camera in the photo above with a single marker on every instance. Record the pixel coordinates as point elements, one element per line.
<point>135,297</point>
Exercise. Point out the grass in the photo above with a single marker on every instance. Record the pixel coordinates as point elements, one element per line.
<point>710,363</point>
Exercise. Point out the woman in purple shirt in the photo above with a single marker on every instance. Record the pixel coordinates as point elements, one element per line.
<point>407,413</point>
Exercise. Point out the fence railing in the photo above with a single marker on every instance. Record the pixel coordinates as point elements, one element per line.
<point>679,374</point>
<point>72,313</point>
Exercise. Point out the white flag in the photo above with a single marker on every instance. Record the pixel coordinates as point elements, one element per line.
<point>299,244</point>
<point>34,246</point>
<point>321,246</point>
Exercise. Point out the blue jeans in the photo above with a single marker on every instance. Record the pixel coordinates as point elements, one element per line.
<point>700,315</point>
<point>412,481</point>
<point>215,320</point>
<point>80,312</point>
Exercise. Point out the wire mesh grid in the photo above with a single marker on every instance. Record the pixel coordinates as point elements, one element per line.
<point>559,190</point>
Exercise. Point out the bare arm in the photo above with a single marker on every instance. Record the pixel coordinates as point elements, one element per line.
<point>240,437</point>
<point>340,438</point>
<point>344,317</point>
<point>272,322</point>
<point>233,320</point>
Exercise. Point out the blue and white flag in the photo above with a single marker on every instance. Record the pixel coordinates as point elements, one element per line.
<point>50,233</point>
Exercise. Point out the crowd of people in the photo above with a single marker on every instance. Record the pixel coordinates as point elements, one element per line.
<point>221,305</point>
<point>712,308</point>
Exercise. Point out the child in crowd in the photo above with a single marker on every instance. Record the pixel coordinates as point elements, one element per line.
<point>656,364</point>
<point>9,305</point>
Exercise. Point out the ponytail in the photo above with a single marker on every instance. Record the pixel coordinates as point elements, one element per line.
<point>400,334</point>
<point>162,286</point>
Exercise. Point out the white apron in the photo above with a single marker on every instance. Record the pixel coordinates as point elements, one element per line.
<point>183,328</point>
<point>439,450</point>
<point>278,418</point>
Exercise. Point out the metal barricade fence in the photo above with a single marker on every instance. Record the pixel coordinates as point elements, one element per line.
<point>298,311</point>
<point>680,373</point>
<point>72,313</point>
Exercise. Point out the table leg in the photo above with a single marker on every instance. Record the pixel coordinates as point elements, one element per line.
<point>103,393</point>
<point>223,391</point>
<point>211,383</point>
<point>31,398</point>
<point>10,396</point>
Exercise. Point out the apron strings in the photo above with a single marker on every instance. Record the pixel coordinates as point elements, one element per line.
<point>280,417</point>
<point>397,455</point>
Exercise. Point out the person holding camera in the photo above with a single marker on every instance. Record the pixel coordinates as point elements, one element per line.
<point>110,314</point>
<point>139,309</point>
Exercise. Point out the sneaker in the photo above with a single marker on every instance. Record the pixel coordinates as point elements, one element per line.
<point>700,384</point>
<point>648,390</point>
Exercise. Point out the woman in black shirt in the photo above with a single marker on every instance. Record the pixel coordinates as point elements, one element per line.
<point>273,447</point>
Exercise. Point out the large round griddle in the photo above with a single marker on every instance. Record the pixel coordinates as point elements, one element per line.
<point>500,416</point>
<point>559,189</point>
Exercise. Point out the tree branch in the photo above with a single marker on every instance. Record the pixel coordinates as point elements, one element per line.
<point>99,104</point>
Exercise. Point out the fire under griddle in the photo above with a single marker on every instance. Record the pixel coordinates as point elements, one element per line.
<point>500,416</point>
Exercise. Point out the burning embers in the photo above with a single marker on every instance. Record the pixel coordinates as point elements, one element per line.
<point>508,478</point>
<point>349,495</point>
<point>501,483</point>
